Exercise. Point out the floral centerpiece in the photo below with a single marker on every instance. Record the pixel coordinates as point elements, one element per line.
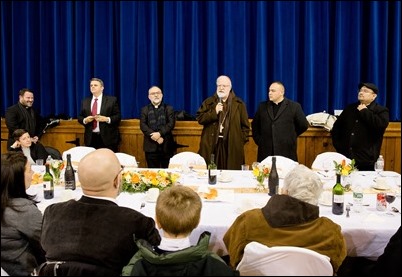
<point>56,166</point>
<point>143,180</point>
<point>260,172</point>
<point>344,169</point>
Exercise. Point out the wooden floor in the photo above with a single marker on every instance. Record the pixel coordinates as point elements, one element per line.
<point>187,135</point>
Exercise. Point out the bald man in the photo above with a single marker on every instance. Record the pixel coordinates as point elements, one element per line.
<point>93,234</point>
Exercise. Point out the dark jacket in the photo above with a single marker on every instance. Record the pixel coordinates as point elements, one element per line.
<point>109,132</point>
<point>94,232</point>
<point>358,134</point>
<point>38,151</point>
<point>239,129</point>
<point>192,261</point>
<point>277,135</point>
<point>16,119</point>
<point>166,131</point>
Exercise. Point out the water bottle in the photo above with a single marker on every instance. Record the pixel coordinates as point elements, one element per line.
<point>273,179</point>
<point>379,165</point>
<point>49,160</point>
<point>69,175</point>
<point>357,198</point>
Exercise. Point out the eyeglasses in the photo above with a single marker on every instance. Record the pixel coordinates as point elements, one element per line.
<point>155,93</point>
<point>118,173</point>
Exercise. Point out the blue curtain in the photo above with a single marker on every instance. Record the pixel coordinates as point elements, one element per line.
<point>319,50</point>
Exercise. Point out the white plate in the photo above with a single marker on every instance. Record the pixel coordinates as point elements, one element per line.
<point>382,187</point>
<point>226,180</point>
<point>389,174</point>
<point>201,174</point>
<point>217,199</point>
<point>325,203</point>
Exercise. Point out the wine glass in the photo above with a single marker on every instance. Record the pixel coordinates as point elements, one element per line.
<point>390,198</point>
<point>327,165</point>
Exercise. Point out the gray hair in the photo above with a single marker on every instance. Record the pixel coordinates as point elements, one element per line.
<point>302,183</point>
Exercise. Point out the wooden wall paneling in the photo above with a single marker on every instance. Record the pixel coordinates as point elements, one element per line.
<point>188,133</point>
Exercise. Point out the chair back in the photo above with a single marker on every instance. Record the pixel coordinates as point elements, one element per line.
<point>4,273</point>
<point>283,164</point>
<point>77,153</point>
<point>187,159</point>
<point>126,159</point>
<point>261,260</point>
<point>325,161</point>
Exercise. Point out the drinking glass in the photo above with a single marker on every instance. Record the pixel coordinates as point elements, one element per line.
<point>390,198</point>
<point>255,165</point>
<point>327,165</point>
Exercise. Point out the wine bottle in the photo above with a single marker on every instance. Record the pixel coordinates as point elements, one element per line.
<point>338,196</point>
<point>48,186</point>
<point>273,179</point>
<point>69,176</point>
<point>212,171</point>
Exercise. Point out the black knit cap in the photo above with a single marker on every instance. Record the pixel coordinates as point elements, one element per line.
<point>370,86</point>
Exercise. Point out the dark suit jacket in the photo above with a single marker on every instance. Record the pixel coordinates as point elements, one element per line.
<point>278,135</point>
<point>15,120</point>
<point>109,132</point>
<point>94,231</point>
<point>166,132</point>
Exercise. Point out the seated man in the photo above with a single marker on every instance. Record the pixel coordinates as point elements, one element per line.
<point>178,212</point>
<point>290,219</point>
<point>94,233</point>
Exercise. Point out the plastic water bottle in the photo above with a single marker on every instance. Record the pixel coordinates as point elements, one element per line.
<point>379,165</point>
<point>357,198</point>
<point>49,160</point>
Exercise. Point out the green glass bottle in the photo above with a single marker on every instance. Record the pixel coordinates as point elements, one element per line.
<point>48,186</point>
<point>212,171</point>
<point>338,196</point>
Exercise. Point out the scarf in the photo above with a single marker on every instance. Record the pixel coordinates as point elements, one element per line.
<point>156,117</point>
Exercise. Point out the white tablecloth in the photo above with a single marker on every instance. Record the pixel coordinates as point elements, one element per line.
<point>366,233</point>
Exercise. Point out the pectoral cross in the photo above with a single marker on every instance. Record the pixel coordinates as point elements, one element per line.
<point>221,128</point>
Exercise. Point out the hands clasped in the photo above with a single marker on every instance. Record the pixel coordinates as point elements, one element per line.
<point>156,136</point>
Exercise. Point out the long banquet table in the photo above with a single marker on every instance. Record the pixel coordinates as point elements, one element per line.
<point>366,233</point>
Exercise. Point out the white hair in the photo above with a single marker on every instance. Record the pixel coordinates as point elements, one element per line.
<point>302,183</point>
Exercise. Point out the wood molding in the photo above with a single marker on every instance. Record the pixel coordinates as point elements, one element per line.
<point>187,134</point>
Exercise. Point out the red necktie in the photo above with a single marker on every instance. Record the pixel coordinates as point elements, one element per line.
<point>94,112</point>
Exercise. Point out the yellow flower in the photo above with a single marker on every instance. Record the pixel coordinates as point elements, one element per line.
<point>261,172</point>
<point>343,168</point>
<point>143,180</point>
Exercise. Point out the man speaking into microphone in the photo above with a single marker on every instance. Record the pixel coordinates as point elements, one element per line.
<point>225,126</point>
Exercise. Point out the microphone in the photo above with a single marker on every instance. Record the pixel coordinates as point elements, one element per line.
<point>220,101</point>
